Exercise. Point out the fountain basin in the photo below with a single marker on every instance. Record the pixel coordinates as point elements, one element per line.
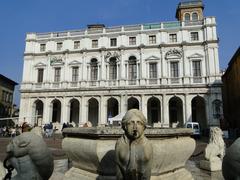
<point>92,152</point>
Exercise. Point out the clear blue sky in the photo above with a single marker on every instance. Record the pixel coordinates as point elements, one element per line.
<point>17,17</point>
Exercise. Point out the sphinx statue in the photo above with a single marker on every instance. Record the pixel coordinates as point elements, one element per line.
<point>133,150</point>
<point>30,156</point>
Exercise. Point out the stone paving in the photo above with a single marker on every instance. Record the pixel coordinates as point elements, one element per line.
<point>61,162</point>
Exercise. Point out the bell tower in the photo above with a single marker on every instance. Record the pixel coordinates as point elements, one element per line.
<point>190,10</point>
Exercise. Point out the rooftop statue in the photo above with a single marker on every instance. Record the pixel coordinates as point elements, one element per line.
<point>133,150</point>
<point>30,156</point>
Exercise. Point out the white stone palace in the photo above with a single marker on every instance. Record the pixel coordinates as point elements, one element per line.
<point>168,70</point>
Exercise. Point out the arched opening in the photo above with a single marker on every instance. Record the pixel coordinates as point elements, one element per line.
<point>74,111</point>
<point>187,17</point>
<point>38,112</point>
<point>113,68</point>
<point>199,111</point>
<point>93,111</point>
<point>175,112</point>
<point>153,111</point>
<point>112,107</point>
<point>194,16</point>
<point>56,111</point>
<point>133,103</point>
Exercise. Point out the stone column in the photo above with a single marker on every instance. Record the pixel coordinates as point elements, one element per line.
<point>46,111</point>
<point>188,109</point>
<point>165,111</point>
<point>102,112</point>
<point>66,110</point>
<point>143,105</point>
<point>84,114</point>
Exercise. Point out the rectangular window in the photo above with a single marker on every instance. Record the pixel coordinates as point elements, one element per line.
<point>132,40</point>
<point>94,43</point>
<point>194,36</point>
<point>113,42</point>
<point>59,46</point>
<point>153,70</point>
<point>3,94</point>
<point>40,76</point>
<point>76,44</point>
<point>113,71</point>
<point>196,68</point>
<point>152,39</point>
<point>42,47</point>
<point>57,74</point>
<point>173,38</point>
<point>75,72</point>
<point>174,69</point>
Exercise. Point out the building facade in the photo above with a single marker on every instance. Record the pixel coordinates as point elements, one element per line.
<point>168,70</point>
<point>6,96</point>
<point>231,92</point>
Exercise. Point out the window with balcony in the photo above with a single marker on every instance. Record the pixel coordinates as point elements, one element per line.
<point>76,44</point>
<point>194,16</point>
<point>113,69</point>
<point>59,46</point>
<point>196,68</point>
<point>42,47</point>
<point>173,38</point>
<point>132,70</point>
<point>194,36</point>
<point>132,40</point>
<point>94,70</point>
<point>174,72</point>
<point>187,17</point>
<point>57,74</point>
<point>75,73</point>
<point>113,42</point>
<point>40,75</point>
<point>94,43</point>
<point>153,70</point>
<point>152,39</point>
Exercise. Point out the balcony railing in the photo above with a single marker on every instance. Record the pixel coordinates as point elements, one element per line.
<point>117,83</point>
<point>136,27</point>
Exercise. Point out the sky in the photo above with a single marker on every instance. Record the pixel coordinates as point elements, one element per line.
<point>18,17</point>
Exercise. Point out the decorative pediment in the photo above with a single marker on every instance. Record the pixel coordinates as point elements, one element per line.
<point>56,61</point>
<point>74,63</point>
<point>114,54</point>
<point>195,55</point>
<point>40,65</point>
<point>174,54</point>
<point>152,58</point>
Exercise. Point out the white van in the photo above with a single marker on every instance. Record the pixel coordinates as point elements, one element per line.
<point>195,127</point>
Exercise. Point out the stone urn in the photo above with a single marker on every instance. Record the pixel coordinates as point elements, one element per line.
<point>92,152</point>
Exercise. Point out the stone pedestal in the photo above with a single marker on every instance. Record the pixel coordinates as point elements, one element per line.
<point>92,151</point>
<point>213,165</point>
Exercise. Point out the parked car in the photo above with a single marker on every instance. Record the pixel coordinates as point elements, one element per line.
<point>195,127</point>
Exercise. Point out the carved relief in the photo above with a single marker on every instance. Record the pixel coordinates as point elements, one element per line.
<point>173,53</point>
<point>112,55</point>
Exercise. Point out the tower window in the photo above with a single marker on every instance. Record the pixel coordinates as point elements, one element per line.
<point>194,16</point>
<point>94,43</point>
<point>76,44</point>
<point>132,40</point>
<point>187,17</point>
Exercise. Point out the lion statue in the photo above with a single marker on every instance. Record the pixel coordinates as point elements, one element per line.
<point>216,147</point>
<point>231,162</point>
<point>30,156</point>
